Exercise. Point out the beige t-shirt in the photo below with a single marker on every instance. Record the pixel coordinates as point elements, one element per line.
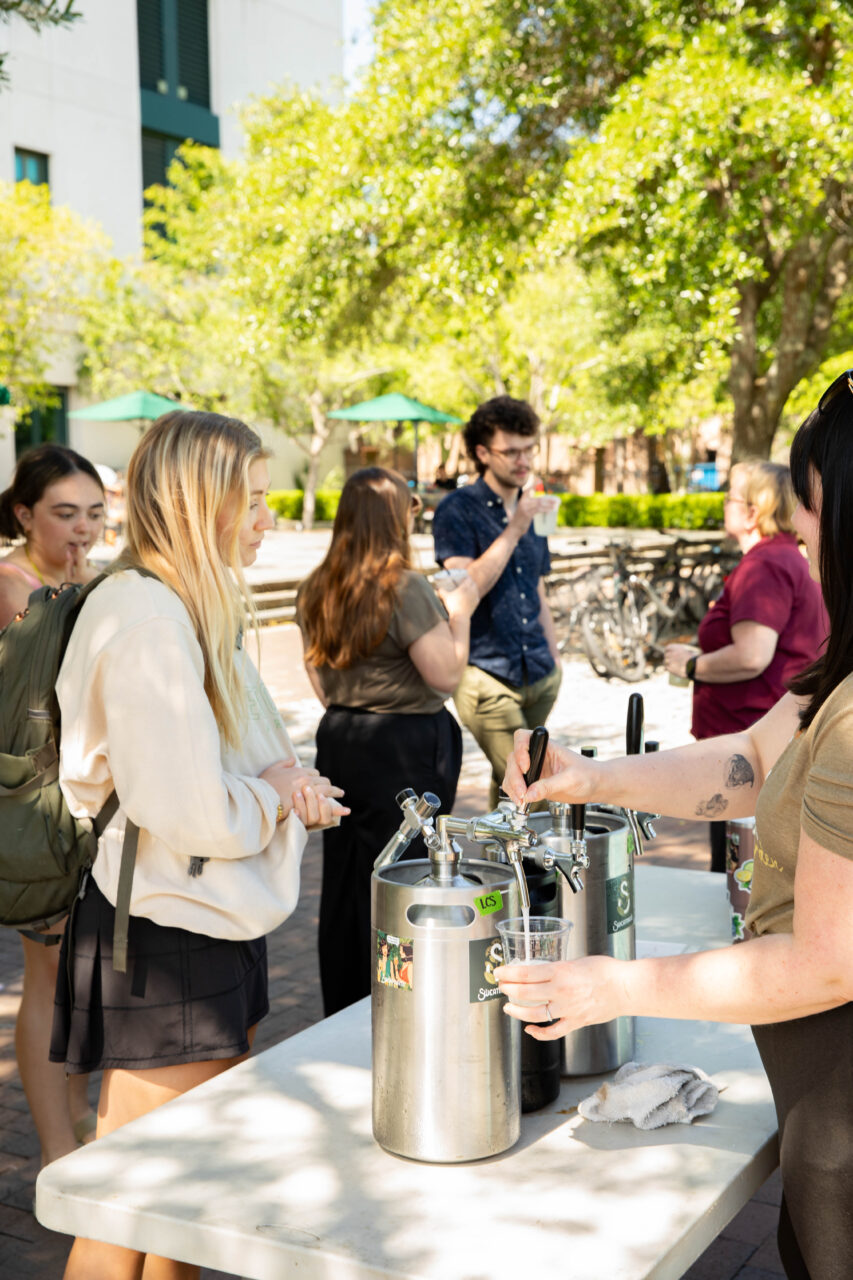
<point>387,680</point>
<point>810,786</point>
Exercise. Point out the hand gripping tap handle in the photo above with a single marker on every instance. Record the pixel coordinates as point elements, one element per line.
<point>579,810</point>
<point>537,746</point>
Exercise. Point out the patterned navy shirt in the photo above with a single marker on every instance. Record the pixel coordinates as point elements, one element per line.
<point>507,638</point>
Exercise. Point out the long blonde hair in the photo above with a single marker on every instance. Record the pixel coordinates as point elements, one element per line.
<point>187,490</point>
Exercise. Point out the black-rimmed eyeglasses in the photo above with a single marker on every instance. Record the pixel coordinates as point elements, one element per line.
<point>526,454</point>
<point>844,380</point>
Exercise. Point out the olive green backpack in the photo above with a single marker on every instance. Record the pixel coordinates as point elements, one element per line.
<point>46,854</point>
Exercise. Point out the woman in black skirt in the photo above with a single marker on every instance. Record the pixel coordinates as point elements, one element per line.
<point>382,653</point>
<point>161,702</point>
<point>793,981</point>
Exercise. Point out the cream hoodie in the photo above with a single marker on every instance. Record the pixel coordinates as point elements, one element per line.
<point>135,717</point>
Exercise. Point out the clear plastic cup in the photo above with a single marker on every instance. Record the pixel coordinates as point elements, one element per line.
<point>537,938</point>
<point>545,517</point>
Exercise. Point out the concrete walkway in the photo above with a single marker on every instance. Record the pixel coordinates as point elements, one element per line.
<point>589,711</point>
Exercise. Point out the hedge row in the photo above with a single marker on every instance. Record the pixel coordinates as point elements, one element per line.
<point>599,510</point>
<point>287,503</point>
<point>643,511</point>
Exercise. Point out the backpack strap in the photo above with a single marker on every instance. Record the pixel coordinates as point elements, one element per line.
<point>125,884</point>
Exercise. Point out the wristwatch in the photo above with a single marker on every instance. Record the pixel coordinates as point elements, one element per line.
<point>690,667</point>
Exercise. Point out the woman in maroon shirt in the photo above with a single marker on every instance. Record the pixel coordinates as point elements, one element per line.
<point>768,624</point>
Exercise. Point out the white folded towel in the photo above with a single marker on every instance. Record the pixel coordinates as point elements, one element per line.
<point>651,1096</point>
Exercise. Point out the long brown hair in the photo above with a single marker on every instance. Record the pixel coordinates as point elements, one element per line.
<point>347,602</point>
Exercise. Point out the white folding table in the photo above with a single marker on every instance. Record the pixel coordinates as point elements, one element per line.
<point>271,1170</point>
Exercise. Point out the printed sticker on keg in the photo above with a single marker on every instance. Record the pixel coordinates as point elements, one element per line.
<point>619,896</point>
<point>395,961</point>
<point>484,956</point>
<point>489,902</point>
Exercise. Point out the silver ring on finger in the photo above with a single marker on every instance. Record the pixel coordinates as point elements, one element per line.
<point>548,1014</point>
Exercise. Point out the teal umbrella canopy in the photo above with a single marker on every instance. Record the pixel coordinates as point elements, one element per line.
<point>127,408</point>
<point>392,408</point>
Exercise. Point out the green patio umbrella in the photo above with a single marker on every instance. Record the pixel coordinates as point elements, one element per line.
<point>394,408</point>
<point>133,406</point>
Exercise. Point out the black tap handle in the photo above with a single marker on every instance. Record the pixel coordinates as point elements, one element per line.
<point>537,746</point>
<point>634,731</point>
<point>651,746</point>
<point>578,815</point>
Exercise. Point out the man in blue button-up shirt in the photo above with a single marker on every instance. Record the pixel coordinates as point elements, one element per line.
<point>514,668</point>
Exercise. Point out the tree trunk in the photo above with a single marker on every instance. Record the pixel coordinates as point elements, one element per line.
<point>319,438</point>
<point>812,278</point>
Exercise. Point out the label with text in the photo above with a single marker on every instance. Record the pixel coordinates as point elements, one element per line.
<point>619,895</point>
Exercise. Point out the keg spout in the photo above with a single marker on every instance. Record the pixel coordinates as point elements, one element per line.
<point>514,855</point>
<point>417,819</point>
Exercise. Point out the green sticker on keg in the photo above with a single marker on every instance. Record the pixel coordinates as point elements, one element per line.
<point>489,902</point>
<point>619,894</point>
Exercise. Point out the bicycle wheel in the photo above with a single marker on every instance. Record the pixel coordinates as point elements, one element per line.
<point>563,603</point>
<point>681,607</point>
<point>609,648</point>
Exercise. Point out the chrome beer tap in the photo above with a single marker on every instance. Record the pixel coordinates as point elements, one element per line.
<point>417,820</point>
<point>504,829</point>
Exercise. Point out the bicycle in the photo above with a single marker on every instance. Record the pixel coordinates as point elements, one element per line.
<point>616,632</point>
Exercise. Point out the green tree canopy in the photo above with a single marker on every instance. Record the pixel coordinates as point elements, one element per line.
<point>50,265</point>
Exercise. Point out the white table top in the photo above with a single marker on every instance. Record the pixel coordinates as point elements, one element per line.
<point>271,1169</point>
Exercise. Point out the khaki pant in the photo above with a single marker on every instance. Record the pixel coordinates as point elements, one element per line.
<point>493,711</point>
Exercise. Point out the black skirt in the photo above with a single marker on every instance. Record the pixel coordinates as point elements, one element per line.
<point>184,998</point>
<point>373,756</point>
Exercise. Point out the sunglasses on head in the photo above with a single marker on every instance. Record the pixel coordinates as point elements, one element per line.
<point>842,382</point>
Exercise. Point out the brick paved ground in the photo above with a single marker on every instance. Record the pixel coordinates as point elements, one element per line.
<point>745,1250</point>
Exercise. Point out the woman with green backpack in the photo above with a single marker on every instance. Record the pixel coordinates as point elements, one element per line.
<point>53,511</point>
<point>161,702</point>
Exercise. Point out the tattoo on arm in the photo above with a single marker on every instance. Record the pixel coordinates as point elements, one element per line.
<point>711,808</point>
<point>739,772</point>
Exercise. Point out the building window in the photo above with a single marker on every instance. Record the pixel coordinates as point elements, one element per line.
<point>193,55</point>
<point>149,26</point>
<point>158,151</point>
<point>174,81</point>
<point>43,426</point>
<point>31,166</point>
<point>174,56</point>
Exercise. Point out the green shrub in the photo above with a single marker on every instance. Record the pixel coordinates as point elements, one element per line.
<point>287,503</point>
<point>642,511</point>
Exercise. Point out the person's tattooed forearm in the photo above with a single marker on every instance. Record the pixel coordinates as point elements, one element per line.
<point>739,772</point>
<point>711,808</point>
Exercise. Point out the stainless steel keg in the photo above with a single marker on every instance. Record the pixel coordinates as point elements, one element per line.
<point>446,1061</point>
<point>603,918</point>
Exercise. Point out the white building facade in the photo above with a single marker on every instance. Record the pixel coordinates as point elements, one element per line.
<point>97,110</point>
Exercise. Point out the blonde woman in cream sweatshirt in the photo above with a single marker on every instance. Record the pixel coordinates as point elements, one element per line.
<point>161,702</point>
